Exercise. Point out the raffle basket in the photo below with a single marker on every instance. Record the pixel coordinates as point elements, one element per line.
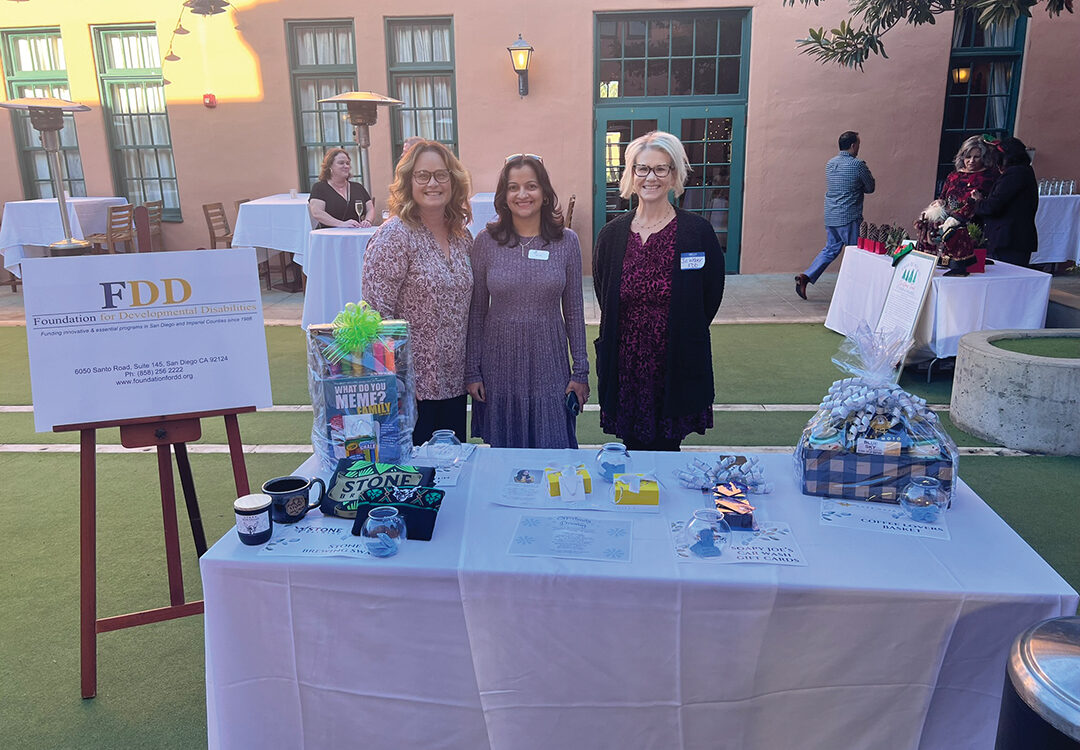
<point>362,387</point>
<point>870,438</point>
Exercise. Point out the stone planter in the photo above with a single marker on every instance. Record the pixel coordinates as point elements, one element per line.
<point>1020,401</point>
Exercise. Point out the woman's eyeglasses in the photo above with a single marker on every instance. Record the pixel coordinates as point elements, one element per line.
<point>660,170</point>
<point>534,157</point>
<point>423,177</point>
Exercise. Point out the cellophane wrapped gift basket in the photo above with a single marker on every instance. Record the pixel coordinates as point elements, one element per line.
<point>869,437</point>
<point>362,387</point>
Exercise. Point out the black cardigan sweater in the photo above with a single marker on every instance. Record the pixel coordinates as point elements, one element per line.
<point>695,298</point>
<point>1009,215</point>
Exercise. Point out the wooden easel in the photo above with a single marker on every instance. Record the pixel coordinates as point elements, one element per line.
<point>175,430</point>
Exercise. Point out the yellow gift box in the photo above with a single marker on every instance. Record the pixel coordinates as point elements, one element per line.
<point>553,480</point>
<point>648,494</point>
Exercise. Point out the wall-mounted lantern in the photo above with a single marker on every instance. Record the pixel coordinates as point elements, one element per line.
<point>520,55</point>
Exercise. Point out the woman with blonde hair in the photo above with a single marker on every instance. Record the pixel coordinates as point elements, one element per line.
<point>976,171</point>
<point>416,267</point>
<point>658,272</point>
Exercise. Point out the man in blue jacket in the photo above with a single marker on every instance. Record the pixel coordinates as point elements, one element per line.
<point>847,179</point>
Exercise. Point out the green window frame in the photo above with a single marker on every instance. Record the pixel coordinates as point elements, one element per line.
<point>677,56</point>
<point>982,86</point>
<point>132,90</point>
<point>322,64</point>
<point>35,67</point>
<point>420,72</point>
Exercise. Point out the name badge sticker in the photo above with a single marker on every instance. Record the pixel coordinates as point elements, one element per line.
<point>543,255</point>
<point>691,261</point>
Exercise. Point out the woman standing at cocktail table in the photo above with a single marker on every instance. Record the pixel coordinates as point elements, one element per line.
<point>526,310</point>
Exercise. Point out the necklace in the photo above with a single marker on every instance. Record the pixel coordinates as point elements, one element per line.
<point>647,227</point>
<point>526,246</point>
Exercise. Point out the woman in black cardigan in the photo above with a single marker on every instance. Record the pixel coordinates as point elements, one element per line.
<point>659,278</point>
<point>1008,211</point>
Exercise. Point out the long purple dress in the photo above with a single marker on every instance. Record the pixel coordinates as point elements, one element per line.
<point>525,312</point>
<point>644,305</point>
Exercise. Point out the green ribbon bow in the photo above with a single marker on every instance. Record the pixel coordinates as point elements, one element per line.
<point>355,328</point>
<point>902,249</point>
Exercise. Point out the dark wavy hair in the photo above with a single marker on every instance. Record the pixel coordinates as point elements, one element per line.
<point>1013,152</point>
<point>551,218</point>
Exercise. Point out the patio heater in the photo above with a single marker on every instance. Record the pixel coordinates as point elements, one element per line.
<point>47,117</point>
<point>363,113</point>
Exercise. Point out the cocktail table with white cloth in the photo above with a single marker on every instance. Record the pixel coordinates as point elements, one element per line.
<point>1058,223</point>
<point>276,222</point>
<point>29,227</point>
<point>1005,296</point>
<point>483,208</point>
<point>880,641</point>
<point>333,263</point>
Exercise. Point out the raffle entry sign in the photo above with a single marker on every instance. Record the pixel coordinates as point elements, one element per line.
<point>147,334</point>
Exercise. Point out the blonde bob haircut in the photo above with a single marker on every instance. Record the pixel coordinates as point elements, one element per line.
<point>660,141</point>
<point>458,213</point>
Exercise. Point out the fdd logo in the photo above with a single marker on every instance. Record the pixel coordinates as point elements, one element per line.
<point>909,275</point>
<point>144,292</point>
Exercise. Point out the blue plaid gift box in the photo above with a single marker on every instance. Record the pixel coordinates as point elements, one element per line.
<point>857,476</point>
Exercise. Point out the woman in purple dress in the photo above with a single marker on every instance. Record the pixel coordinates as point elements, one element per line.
<point>659,278</point>
<point>526,312</point>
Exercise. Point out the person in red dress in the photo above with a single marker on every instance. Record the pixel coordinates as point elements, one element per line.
<point>976,170</point>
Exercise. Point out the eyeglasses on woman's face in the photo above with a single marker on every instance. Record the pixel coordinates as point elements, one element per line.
<point>660,170</point>
<point>423,177</point>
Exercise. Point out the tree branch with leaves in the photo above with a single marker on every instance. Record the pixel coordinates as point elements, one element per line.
<point>859,36</point>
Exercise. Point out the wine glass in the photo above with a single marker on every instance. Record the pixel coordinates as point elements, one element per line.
<point>359,206</point>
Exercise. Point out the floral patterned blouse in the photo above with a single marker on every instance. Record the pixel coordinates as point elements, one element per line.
<point>405,275</point>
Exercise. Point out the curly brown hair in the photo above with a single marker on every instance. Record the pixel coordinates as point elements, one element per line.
<point>328,159</point>
<point>458,213</point>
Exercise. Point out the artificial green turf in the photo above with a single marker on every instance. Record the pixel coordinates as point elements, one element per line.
<point>1058,346</point>
<point>753,364</point>
<point>151,689</point>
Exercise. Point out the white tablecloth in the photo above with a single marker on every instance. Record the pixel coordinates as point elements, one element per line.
<point>277,222</point>
<point>1058,222</point>
<point>334,259</point>
<point>882,641</point>
<point>483,208</point>
<point>1006,296</point>
<point>29,227</point>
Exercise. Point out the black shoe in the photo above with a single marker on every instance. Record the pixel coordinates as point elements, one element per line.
<point>800,284</point>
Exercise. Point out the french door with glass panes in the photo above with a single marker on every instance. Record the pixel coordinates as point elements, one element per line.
<point>714,139</point>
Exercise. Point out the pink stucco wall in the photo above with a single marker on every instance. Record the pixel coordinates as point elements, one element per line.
<point>246,146</point>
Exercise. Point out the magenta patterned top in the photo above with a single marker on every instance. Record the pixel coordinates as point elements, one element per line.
<point>644,306</point>
<point>405,275</point>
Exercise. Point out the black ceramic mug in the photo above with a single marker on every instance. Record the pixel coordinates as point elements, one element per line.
<point>290,497</point>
